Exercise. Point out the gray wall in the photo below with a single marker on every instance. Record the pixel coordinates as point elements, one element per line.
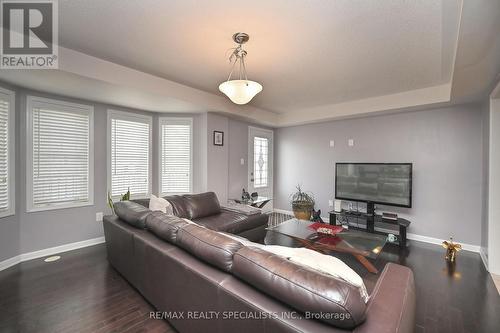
<point>26,232</point>
<point>238,149</point>
<point>486,161</point>
<point>444,145</point>
<point>217,157</point>
<point>227,176</point>
<point>9,237</point>
<point>494,189</point>
<point>39,230</point>
<point>221,169</point>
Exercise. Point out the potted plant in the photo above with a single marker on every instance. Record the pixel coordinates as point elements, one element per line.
<point>302,204</point>
<point>124,197</point>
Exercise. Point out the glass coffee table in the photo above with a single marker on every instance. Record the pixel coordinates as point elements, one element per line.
<point>362,245</point>
<point>258,202</point>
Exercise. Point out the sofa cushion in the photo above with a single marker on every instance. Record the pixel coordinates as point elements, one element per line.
<point>143,202</point>
<point>321,296</point>
<point>232,222</point>
<point>202,204</point>
<point>208,245</point>
<point>320,262</point>
<point>132,213</point>
<point>165,226</point>
<point>314,260</point>
<point>179,205</point>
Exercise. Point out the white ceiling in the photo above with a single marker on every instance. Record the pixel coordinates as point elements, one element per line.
<point>317,59</point>
<point>305,53</point>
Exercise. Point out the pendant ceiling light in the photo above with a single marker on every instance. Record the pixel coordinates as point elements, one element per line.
<point>242,90</point>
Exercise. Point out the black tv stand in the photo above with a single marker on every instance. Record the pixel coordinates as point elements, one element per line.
<point>370,216</point>
<point>373,223</point>
<point>370,208</point>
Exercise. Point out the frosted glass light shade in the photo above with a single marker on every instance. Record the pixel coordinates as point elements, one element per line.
<point>240,91</point>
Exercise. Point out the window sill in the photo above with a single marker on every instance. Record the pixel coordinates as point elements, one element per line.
<point>173,193</point>
<point>7,213</point>
<point>58,207</point>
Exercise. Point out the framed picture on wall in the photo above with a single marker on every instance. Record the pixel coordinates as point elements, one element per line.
<point>218,138</point>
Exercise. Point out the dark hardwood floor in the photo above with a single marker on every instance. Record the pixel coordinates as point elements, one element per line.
<point>79,293</point>
<point>459,299</point>
<point>82,293</point>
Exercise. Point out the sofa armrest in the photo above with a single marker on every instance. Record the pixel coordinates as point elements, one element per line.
<point>392,304</point>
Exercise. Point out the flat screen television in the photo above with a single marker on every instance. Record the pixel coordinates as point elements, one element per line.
<point>375,183</point>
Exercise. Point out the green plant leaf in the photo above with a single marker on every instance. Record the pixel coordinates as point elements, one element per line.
<point>110,203</point>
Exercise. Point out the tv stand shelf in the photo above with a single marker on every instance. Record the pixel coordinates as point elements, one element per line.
<point>373,223</point>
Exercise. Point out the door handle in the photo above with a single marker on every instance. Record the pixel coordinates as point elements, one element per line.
<point>251,179</point>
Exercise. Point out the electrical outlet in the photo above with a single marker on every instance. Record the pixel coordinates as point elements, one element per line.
<point>332,143</point>
<point>242,161</point>
<point>330,203</point>
<point>99,216</point>
<point>351,142</point>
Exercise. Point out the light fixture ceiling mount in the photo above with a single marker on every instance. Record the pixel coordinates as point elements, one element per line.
<point>241,38</point>
<point>240,91</point>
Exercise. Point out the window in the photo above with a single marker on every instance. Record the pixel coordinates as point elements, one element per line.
<point>129,154</point>
<point>260,164</point>
<point>60,154</point>
<point>7,147</point>
<point>176,137</point>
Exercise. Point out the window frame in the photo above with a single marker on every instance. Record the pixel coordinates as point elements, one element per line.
<point>11,152</point>
<point>161,122</point>
<point>130,116</point>
<point>33,101</point>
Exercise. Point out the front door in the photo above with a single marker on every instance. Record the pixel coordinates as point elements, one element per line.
<point>260,163</point>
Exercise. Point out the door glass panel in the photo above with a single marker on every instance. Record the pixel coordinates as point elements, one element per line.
<point>261,163</point>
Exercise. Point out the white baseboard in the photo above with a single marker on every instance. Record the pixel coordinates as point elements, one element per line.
<point>282,211</point>
<point>10,262</point>
<point>48,252</point>
<point>425,239</point>
<point>484,258</point>
<point>432,240</point>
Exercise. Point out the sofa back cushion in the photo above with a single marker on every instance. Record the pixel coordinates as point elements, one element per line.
<point>143,202</point>
<point>321,296</point>
<point>202,204</point>
<point>179,206</point>
<point>165,226</point>
<point>132,213</point>
<point>208,245</point>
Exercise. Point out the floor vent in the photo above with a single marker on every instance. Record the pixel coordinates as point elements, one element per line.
<point>51,259</point>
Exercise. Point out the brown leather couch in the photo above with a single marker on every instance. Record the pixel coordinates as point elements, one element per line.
<point>204,209</point>
<point>187,270</point>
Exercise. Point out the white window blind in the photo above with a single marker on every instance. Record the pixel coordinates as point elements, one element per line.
<point>175,155</point>
<point>60,161</point>
<point>130,145</point>
<point>6,153</point>
<point>261,161</point>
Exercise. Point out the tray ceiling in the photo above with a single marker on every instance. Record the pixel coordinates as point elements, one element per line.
<point>310,56</point>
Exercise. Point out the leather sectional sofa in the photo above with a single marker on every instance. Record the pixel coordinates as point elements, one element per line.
<point>204,209</point>
<point>201,280</point>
